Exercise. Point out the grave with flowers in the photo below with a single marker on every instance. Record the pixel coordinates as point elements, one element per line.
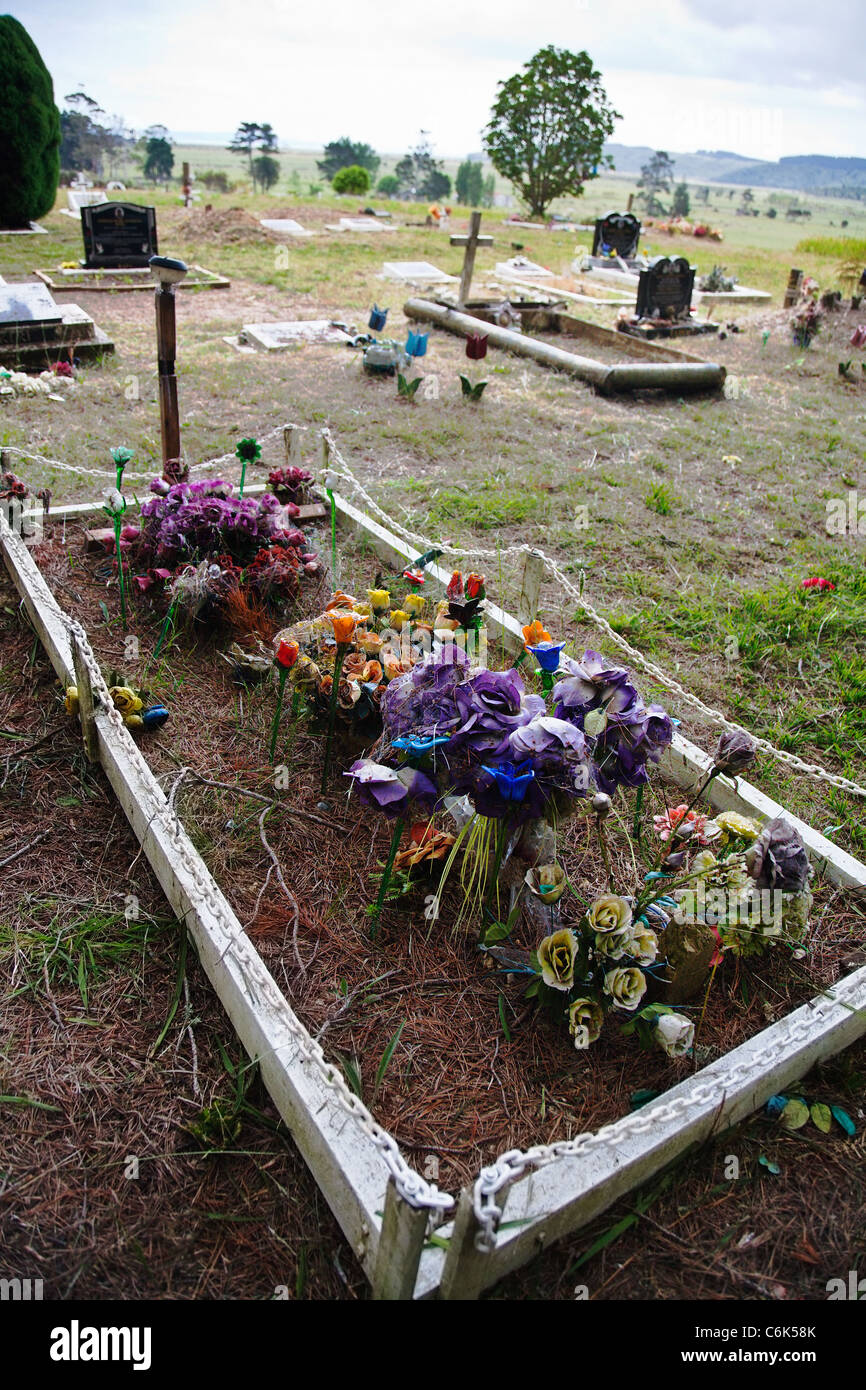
<point>459,840</point>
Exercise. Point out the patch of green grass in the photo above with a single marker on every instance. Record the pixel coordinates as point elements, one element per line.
<point>660,499</point>
<point>493,505</point>
<point>81,952</point>
<point>843,247</point>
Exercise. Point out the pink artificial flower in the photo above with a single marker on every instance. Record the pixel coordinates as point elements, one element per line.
<point>666,824</point>
<point>816,583</point>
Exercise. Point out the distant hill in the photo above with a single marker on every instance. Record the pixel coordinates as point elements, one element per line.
<point>808,173</point>
<point>706,166</point>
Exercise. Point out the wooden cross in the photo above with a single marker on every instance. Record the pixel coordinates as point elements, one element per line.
<point>471,242</point>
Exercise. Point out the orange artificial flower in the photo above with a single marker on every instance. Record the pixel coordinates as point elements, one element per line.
<point>344,625</point>
<point>287,654</point>
<point>341,600</point>
<point>535,633</point>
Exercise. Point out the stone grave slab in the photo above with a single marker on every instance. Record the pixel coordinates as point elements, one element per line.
<point>78,198</point>
<point>33,229</point>
<point>118,235</point>
<point>284,226</point>
<point>276,337</point>
<point>27,305</point>
<point>520,269</point>
<point>416,272</point>
<point>35,346</point>
<point>359,224</point>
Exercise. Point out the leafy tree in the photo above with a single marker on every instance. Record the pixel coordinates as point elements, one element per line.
<point>548,127</point>
<point>266,171</point>
<point>420,174</point>
<point>343,153</point>
<point>656,176</point>
<point>352,179</point>
<point>389,185</point>
<point>681,201</point>
<point>251,134</point>
<point>488,190</point>
<point>158,159</point>
<point>469,182</point>
<point>30,122</point>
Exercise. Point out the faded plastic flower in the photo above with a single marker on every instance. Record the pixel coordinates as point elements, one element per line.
<point>735,751</point>
<point>556,957</point>
<point>534,633</point>
<point>688,824</point>
<point>626,987</point>
<point>609,913</point>
<point>674,1033</point>
<point>392,790</point>
<point>546,881</point>
<point>778,859</point>
<point>642,944</point>
<point>734,827</point>
<point>585,1018</point>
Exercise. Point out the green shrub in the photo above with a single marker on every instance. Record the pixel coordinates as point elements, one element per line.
<point>352,179</point>
<point>389,185</point>
<point>30,122</point>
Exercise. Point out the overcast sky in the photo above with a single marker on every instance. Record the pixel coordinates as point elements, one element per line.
<point>760,77</point>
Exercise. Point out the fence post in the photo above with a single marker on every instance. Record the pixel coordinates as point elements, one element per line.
<point>401,1241</point>
<point>86,712</point>
<point>292,441</point>
<point>530,586</point>
<point>465,1268</point>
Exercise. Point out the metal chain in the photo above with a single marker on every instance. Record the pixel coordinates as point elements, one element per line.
<point>341,469</point>
<point>410,1185</point>
<point>510,1166</point>
<point>129,477</point>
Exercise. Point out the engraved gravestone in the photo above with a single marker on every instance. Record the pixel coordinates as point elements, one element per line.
<point>118,236</point>
<point>619,232</point>
<point>665,289</point>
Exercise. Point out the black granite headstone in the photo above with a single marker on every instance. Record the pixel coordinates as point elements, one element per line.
<point>620,231</point>
<point>118,235</point>
<point>665,289</point>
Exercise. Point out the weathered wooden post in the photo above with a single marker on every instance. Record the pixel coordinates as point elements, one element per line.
<point>530,586</point>
<point>169,273</point>
<point>86,708</point>
<point>463,1274</point>
<point>792,292</point>
<point>471,242</point>
<point>187,185</point>
<point>401,1241</point>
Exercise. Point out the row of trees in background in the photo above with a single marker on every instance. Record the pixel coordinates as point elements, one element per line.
<point>261,136</point>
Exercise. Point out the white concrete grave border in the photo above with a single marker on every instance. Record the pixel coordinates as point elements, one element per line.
<point>387,1233</point>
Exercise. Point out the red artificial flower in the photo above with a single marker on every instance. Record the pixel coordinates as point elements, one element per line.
<point>817,583</point>
<point>413,576</point>
<point>287,654</point>
<point>476,346</point>
<point>475,585</point>
<point>455,588</point>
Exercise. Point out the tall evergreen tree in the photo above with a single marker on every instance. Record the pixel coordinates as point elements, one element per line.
<point>30,122</point>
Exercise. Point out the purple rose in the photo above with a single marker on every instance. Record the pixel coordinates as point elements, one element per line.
<point>490,705</point>
<point>392,790</point>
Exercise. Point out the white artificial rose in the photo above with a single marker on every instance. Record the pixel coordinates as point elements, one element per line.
<point>674,1034</point>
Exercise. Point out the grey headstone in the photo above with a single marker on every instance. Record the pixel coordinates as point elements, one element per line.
<point>31,303</point>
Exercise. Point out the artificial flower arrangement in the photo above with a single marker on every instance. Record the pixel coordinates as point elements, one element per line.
<point>217,554</point>
<point>507,764</point>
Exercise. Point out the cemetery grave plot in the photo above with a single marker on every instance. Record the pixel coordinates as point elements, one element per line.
<point>456,1075</point>
<point>35,332</point>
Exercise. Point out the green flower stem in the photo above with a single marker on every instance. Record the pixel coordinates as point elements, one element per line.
<point>117,529</point>
<point>492,888</point>
<point>333,533</point>
<point>342,648</point>
<point>164,630</point>
<point>399,827</point>
<point>602,841</point>
<point>638,807</point>
<point>275,728</point>
<point>243,476</point>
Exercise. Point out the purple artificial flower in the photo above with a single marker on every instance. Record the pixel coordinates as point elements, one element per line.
<point>423,699</point>
<point>547,736</point>
<point>392,790</point>
<point>490,705</point>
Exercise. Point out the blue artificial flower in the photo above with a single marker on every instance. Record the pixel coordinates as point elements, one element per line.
<point>377,318</point>
<point>512,779</point>
<point>547,655</point>
<point>154,717</point>
<point>416,344</point>
<point>416,746</point>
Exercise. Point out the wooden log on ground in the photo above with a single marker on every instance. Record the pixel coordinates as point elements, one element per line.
<point>609,380</point>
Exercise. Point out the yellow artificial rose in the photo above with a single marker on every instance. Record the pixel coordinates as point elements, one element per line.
<point>125,699</point>
<point>642,944</point>
<point>546,881</point>
<point>585,1018</point>
<point>71,700</point>
<point>398,617</point>
<point>626,987</point>
<point>556,957</point>
<point>609,913</point>
<point>736,827</point>
<point>380,600</point>
<point>414,604</point>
